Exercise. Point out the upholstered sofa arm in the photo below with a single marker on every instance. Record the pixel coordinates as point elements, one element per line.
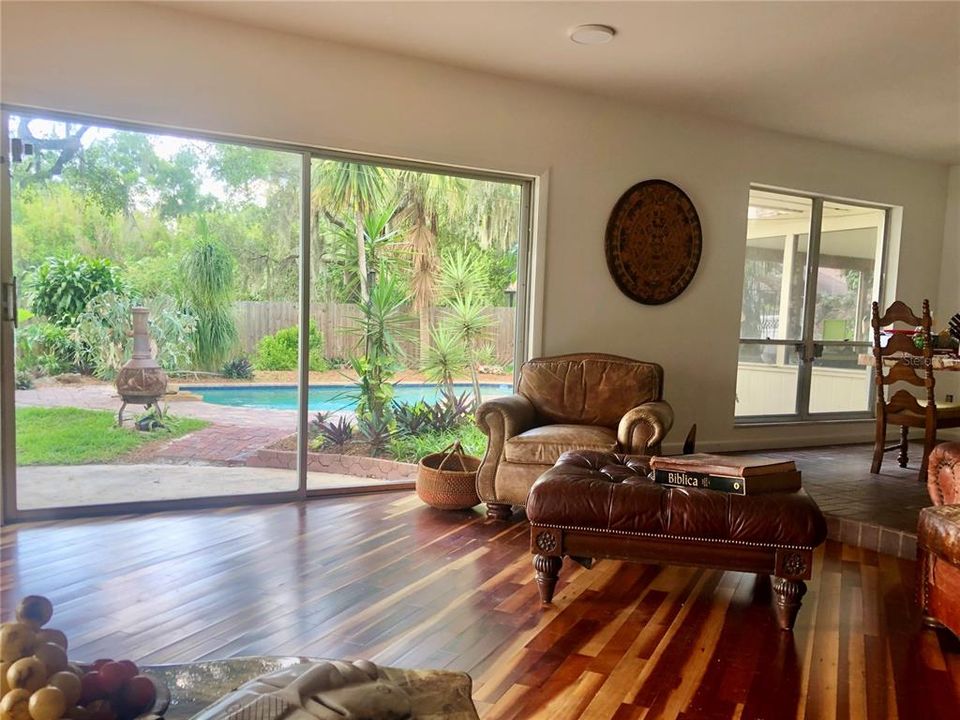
<point>643,427</point>
<point>943,474</point>
<point>500,419</point>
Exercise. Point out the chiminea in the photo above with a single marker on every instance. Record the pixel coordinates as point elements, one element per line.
<point>141,381</point>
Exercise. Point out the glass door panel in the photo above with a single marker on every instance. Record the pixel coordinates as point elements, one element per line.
<point>838,384</point>
<point>851,247</point>
<point>205,237</point>
<point>767,380</point>
<point>413,291</point>
<point>812,269</point>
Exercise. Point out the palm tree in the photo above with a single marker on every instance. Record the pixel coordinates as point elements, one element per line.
<point>427,201</point>
<point>351,189</point>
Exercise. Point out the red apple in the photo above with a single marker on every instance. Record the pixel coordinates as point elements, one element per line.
<point>112,677</point>
<point>139,694</point>
<point>97,664</point>
<point>131,668</point>
<point>91,688</point>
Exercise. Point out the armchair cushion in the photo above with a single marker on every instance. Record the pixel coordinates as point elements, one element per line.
<point>588,389</point>
<point>544,445</point>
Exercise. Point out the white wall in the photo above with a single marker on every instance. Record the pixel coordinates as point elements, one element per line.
<point>157,65</point>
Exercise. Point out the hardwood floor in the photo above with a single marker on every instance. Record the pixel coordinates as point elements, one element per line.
<point>386,578</point>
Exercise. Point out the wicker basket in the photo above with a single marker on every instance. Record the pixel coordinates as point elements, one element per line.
<point>448,479</point>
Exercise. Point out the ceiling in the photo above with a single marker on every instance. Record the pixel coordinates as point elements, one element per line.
<point>880,75</point>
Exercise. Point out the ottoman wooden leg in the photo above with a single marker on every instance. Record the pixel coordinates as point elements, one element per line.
<point>789,596</point>
<point>499,511</point>
<point>548,570</point>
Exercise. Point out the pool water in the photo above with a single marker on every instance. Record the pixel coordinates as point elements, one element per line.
<point>330,398</point>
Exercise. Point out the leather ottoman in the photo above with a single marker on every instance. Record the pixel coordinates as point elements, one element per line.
<point>602,505</point>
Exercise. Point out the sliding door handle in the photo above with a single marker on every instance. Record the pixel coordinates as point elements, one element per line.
<point>10,301</point>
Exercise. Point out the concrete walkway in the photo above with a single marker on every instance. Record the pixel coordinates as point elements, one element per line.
<point>46,486</point>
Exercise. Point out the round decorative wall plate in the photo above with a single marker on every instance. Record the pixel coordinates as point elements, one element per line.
<point>653,242</point>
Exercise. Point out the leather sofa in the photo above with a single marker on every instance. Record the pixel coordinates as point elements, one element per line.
<point>586,401</point>
<point>938,541</point>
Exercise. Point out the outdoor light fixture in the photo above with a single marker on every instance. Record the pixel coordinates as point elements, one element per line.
<point>592,34</point>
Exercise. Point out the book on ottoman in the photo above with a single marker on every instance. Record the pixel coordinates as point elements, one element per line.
<point>740,475</point>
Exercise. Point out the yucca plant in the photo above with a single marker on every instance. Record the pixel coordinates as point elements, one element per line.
<point>446,357</point>
<point>471,324</point>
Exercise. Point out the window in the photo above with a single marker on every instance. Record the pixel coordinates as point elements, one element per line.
<point>812,269</point>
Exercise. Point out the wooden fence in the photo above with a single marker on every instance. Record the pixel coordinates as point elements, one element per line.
<point>339,323</point>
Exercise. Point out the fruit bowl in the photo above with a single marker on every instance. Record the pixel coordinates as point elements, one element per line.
<point>161,693</point>
<point>38,681</point>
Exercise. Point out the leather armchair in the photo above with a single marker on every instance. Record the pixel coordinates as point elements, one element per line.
<point>938,541</point>
<point>586,401</point>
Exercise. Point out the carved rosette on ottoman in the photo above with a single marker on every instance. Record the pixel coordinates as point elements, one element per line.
<point>601,505</point>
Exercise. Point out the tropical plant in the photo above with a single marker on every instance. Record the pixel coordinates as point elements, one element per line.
<point>463,273</point>
<point>411,418</point>
<point>413,448</point>
<point>280,351</point>
<point>103,335</point>
<point>380,332</point>
<point>446,357</point>
<point>335,434</point>
<point>351,189</point>
<point>471,323</point>
<point>208,286</point>
<point>60,288</point>
<point>376,432</point>
<point>44,347</point>
<point>238,369</point>
<point>378,239</point>
<point>23,380</point>
<point>427,201</point>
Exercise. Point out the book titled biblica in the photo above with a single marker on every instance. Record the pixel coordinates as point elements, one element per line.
<point>739,475</point>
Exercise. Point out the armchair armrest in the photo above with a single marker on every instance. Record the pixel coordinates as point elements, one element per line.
<point>506,416</point>
<point>643,427</point>
<point>500,419</point>
<point>943,474</point>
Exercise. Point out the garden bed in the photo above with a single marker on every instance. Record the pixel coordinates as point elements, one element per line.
<point>276,456</point>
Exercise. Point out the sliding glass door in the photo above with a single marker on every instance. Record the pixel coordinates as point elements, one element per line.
<point>189,319</point>
<point>130,251</point>
<point>813,267</point>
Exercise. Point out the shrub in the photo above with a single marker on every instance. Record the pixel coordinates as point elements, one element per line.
<point>441,416</point>
<point>238,369</point>
<point>23,380</point>
<point>103,337</point>
<point>62,287</point>
<point>279,351</point>
<point>45,348</point>
<point>411,448</point>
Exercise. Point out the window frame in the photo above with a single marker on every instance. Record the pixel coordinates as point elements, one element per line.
<point>807,345</point>
<point>531,196</point>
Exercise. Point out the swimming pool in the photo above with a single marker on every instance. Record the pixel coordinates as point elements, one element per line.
<point>329,398</point>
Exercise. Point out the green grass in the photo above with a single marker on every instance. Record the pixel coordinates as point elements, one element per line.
<point>71,436</point>
<point>413,447</point>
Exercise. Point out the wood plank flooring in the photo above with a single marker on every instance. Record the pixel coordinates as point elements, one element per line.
<point>385,578</point>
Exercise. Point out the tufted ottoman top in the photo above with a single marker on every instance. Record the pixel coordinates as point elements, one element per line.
<point>612,494</point>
